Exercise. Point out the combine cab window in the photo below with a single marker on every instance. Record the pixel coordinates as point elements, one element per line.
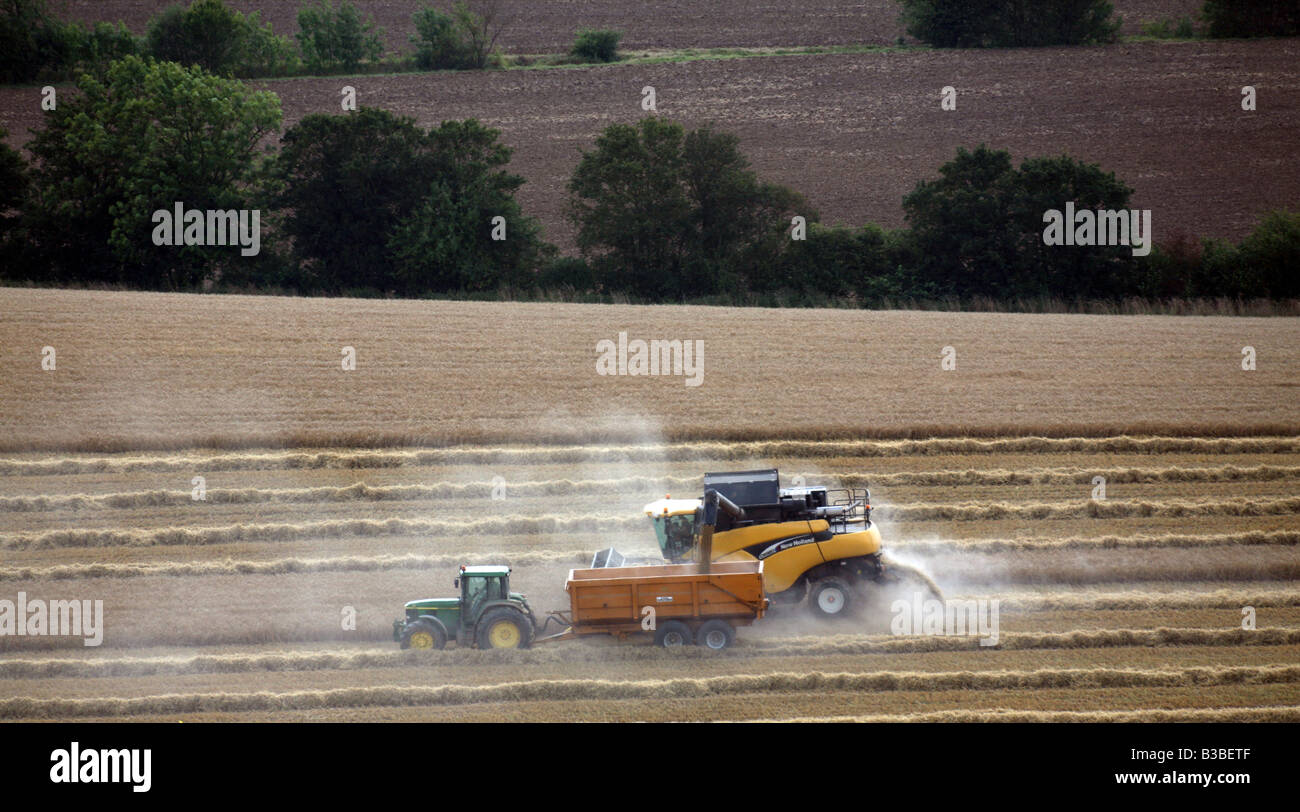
<point>676,535</point>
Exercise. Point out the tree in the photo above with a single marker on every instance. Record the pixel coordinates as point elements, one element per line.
<point>1252,18</point>
<point>141,138</point>
<point>217,38</point>
<point>482,22</point>
<point>1009,23</point>
<point>1272,252</point>
<point>332,37</point>
<point>666,214</point>
<point>438,41</point>
<point>32,41</point>
<point>13,193</point>
<point>979,227</point>
<point>372,201</point>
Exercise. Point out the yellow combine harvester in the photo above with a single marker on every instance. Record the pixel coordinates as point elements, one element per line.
<point>815,543</point>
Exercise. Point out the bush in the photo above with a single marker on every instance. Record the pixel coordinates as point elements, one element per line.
<point>665,214</point>
<point>1272,251</point>
<point>137,139</point>
<point>439,41</point>
<point>567,273</point>
<point>96,47</point>
<point>206,34</point>
<point>373,201</point>
<point>32,42</point>
<point>1167,29</point>
<point>596,46</point>
<point>332,38</point>
<point>979,228</point>
<point>218,39</point>
<point>1009,23</point>
<point>13,193</point>
<point>1251,18</point>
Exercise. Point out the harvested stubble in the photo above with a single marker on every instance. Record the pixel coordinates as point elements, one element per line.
<point>608,690</point>
<point>362,492</point>
<point>797,647</point>
<point>1274,713</point>
<point>650,453</point>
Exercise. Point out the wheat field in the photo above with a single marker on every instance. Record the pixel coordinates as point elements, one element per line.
<point>328,489</point>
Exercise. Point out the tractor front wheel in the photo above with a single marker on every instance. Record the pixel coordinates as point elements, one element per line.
<point>504,628</point>
<point>420,634</point>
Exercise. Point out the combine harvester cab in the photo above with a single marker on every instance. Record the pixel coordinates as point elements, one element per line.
<point>816,543</point>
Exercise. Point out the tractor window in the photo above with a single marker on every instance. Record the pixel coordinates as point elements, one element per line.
<point>475,591</point>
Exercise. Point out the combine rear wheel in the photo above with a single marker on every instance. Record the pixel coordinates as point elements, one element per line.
<point>504,628</point>
<point>829,597</point>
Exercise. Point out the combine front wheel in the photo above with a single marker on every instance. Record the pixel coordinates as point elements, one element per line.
<point>829,597</point>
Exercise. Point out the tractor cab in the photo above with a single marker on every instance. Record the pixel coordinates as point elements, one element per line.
<point>480,584</point>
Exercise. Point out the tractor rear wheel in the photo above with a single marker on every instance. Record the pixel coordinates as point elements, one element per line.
<point>504,628</point>
<point>672,634</point>
<point>829,597</point>
<point>420,634</point>
<point>715,634</point>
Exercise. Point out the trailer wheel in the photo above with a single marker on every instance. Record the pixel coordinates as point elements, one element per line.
<point>716,635</point>
<point>672,633</point>
<point>504,628</point>
<point>420,634</point>
<point>829,597</point>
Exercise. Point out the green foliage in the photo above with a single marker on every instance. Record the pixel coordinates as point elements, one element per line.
<point>1167,29</point>
<point>94,48</point>
<point>478,29</point>
<point>1272,251</point>
<point>567,273</point>
<point>219,39</point>
<point>665,214</point>
<point>1009,23</point>
<point>372,201</point>
<point>13,194</point>
<point>439,40</point>
<point>1252,18</point>
<point>979,227</point>
<point>139,138</point>
<point>34,44</point>
<point>592,45</point>
<point>332,38</point>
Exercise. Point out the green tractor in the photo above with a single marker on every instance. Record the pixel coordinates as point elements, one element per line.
<point>487,614</point>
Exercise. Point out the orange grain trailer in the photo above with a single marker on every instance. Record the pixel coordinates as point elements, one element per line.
<point>678,603</point>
